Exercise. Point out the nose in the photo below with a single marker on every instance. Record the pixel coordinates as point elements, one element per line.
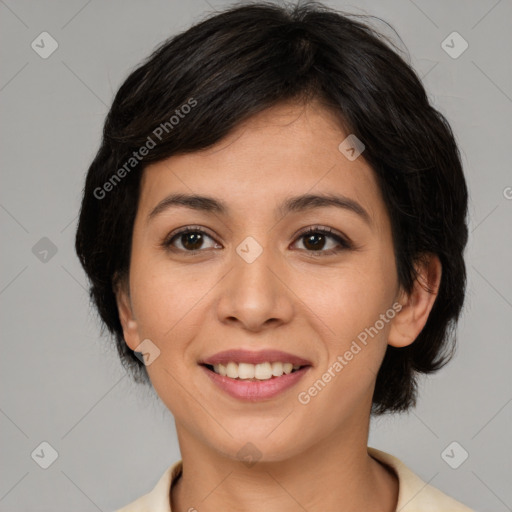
<point>254,294</point>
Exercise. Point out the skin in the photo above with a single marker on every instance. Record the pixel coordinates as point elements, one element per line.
<point>312,456</point>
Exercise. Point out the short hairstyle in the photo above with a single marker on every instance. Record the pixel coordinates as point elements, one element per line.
<point>199,85</point>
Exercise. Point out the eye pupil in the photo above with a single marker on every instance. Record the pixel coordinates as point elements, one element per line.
<point>195,238</point>
<point>315,242</point>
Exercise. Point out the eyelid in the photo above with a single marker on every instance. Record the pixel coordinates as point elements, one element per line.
<point>193,228</point>
<point>343,241</point>
<point>185,229</point>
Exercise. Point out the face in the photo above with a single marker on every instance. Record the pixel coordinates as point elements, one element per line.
<point>309,280</point>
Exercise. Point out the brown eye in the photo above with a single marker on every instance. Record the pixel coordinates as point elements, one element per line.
<point>190,240</point>
<point>316,239</point>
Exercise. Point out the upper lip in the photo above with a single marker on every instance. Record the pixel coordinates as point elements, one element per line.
<point>254,357</point>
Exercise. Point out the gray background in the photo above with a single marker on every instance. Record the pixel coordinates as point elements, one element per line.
<point>63,384</point>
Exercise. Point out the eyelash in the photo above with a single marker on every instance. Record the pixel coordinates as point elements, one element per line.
<point>330,233</point>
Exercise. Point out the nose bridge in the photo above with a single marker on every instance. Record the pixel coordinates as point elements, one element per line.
<point>253,293</point>
<point>252,265</point>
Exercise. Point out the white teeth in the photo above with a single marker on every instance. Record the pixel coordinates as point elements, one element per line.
<point>260,371</point>
<point>231,370</point>
<point>287,368</point>
<point>277,369</point>
<point>245,371</point>
<point>263,371</point>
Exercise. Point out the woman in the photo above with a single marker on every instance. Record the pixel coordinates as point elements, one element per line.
<point>273,229</point>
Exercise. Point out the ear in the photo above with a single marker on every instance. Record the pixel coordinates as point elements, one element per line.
<point>125,310</point>
<point>416,306</point>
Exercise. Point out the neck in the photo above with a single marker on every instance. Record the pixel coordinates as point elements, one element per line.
<point>335,474</point>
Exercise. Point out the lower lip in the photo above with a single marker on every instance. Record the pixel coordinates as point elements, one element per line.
<point>255,391</point>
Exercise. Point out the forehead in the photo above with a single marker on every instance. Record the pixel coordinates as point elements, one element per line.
<point>284,151</point>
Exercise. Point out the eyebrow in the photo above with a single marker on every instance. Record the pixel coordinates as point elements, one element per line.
<point>293,204</point>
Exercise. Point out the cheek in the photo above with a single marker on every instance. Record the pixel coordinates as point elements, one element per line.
<point>164,309</point>
<point>355,298</point>
<point>163,297</point>
<point>357,307</point>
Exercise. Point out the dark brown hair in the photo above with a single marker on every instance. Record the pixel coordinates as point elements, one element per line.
<point>237,63</point>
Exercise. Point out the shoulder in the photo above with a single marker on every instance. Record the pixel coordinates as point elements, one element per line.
<point>157,500</point>
<point>415,495</point>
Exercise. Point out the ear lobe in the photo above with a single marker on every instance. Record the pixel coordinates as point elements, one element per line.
<point>416,306</point>
<point>128,322</point>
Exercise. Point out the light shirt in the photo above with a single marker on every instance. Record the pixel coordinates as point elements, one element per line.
<point>414,495</point>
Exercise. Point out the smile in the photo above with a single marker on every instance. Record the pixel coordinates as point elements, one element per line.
<point>247,371</point>
<point>255,389</point>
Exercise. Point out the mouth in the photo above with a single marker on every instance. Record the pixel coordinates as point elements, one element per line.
<point>254,376</point>
<point>254,372</point>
